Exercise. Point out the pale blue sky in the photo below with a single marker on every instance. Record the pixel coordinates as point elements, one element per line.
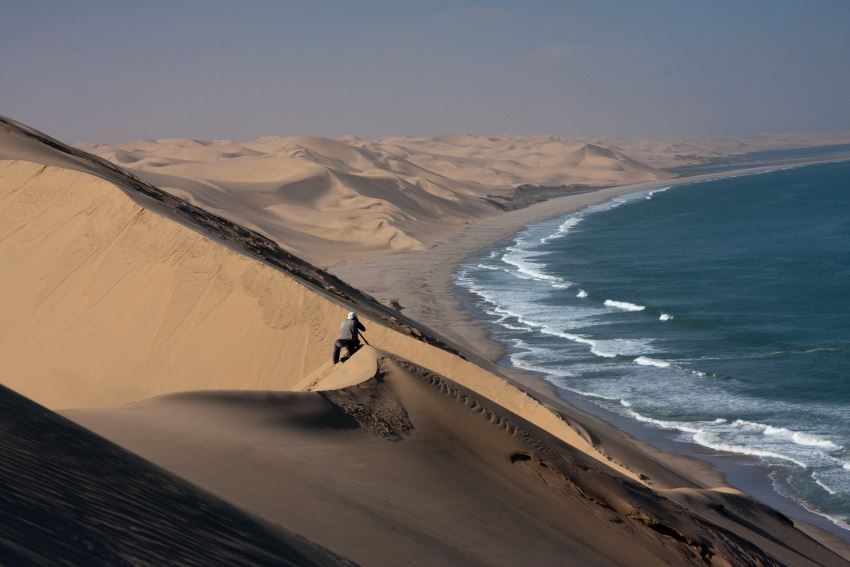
<point>115,70</point>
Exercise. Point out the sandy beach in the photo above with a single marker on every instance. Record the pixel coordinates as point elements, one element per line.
<point>422,284</point>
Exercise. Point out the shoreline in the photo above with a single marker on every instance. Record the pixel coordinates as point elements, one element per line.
<point>422,283</point>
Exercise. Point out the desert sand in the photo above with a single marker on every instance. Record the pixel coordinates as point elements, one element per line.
<point>332,200</point>
<point>71,497</point>
<point>203,346</point>
<point>345,199</point>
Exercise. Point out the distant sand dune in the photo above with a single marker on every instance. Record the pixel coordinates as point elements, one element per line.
<point>332,200</point>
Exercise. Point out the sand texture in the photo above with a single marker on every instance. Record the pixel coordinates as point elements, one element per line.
<point>203,346</point>
<point>71,497</point>
<point>330,200</point>
<point>407,467</point>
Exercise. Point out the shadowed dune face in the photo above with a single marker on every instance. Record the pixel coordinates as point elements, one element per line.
<point>407,467</point>
<point>71,497</point>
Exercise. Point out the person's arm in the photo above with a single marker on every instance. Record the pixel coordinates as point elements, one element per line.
<point>360,326</point>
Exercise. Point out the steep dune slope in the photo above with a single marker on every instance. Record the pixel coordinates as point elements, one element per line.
<point>72,498</point>
<point>407,467</point>
<point>108,302</point>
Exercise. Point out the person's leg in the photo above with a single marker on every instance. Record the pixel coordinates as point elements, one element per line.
<point>337,346</point>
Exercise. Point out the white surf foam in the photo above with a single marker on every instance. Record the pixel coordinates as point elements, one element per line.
<point>704,438</point>
<point>581,294</point>
<point>800,438</point>
<point>665,317</point>
<point>518,257</point>
<point>674,425</point>
<point>492,268</point>
<point>646,361</point>
<point>781,489</point>
<point>608,348</point>
<point>654,191</point>
<point>624,305</point>
<point>591,394</point>
<point>823,485</point>
<point>563,229</point>
<point>796,437</point>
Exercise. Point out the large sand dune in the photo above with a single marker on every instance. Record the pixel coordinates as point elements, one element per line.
<point>114,291</point>
<point>351,198</point>
<point>108,302</point>
<point>330,200</point>
<point>407,467</point>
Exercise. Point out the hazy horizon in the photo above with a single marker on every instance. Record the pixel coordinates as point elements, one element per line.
<point>97,71</point>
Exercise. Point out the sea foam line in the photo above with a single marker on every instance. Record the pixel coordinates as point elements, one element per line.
<point>517,257</point>
<point>796,437</point>
<point>840,522</point>
<point>701,437</point>
<point>563,229</point>
<point>646,361</point>
<point>624,305</point>
<point>826,487</point>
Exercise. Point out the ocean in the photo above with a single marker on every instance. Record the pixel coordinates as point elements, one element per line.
<point>716,312</point>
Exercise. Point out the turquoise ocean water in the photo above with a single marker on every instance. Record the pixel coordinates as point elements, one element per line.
<point>717,312</point>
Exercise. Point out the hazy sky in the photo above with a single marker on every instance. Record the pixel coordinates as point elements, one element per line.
<point>116,70</point>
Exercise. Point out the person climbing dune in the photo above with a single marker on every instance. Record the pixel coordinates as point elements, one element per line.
<point>349,337</point>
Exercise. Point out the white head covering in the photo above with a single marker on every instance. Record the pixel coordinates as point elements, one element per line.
<point>352,315</point>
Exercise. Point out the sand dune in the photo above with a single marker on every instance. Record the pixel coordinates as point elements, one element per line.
<point>509,161</point>
<point>70,497</point>
<point>407,467</point>
<point>668,153</point>
<point>330,200</point>
<point>114,291</point>
<point>107,302</point>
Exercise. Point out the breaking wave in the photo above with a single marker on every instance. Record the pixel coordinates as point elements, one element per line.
<point>646,361</point>
<point>624,305</point>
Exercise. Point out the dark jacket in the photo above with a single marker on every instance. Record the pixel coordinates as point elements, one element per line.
<point>348,330</point>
